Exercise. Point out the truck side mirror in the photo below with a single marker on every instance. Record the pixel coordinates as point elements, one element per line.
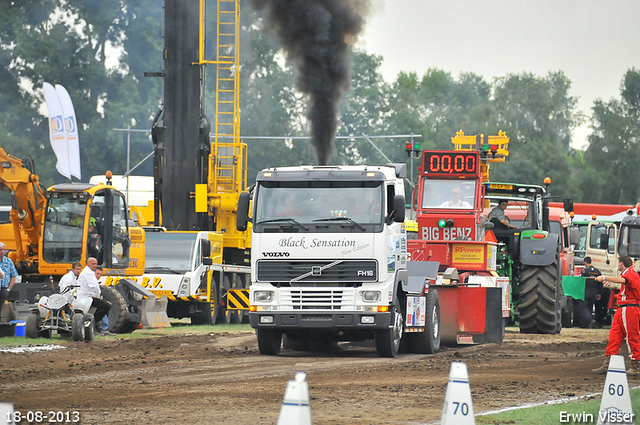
<point>398,208</point>
<point>205,248</point>
<point>568,205</point>
<point>242,218</point>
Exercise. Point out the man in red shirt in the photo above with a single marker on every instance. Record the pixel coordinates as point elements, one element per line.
<point>625,320</point>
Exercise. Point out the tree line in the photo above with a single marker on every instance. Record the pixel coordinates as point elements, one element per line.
<point>100,51</point>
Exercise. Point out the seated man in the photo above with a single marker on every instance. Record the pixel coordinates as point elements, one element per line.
<point>498,217</point>
<point>456,200</point>
<point>90,288</point>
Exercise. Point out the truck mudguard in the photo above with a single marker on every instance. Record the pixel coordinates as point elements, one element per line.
<point>538,252</point>
<point>417,273</point>
<point>401,276</point>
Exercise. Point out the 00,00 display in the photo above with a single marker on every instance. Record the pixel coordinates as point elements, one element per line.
<point>447,163</point>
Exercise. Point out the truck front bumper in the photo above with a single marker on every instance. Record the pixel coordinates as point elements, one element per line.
<point>320,320</point>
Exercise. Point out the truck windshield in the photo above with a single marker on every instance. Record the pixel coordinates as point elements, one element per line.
<point>362,204</point>
<point>63,227</point>
<point>439,193</point>
<point>169,251</point>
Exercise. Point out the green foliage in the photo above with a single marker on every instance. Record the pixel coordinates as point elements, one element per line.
<point>68,42</point>
<point>614,150</point>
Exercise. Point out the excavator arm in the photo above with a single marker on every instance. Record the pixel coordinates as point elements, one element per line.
<point>28,204</point>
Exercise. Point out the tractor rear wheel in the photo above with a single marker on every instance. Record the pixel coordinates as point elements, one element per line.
<point>539,299</point>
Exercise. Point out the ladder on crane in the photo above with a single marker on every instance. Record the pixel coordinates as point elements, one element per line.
<point>227,176</point>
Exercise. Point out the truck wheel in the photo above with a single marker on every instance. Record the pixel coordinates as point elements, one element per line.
<point>77,327</point>
<point>428,342</point>
<point>208,315</point>
<point>118,315</point>
<point>294,344</point>
<point>539,305</point>
<point>226,316</point>
<point>31,327</point>
<point>89,327</point>
<point>388,340</point>
<point>269,341</point>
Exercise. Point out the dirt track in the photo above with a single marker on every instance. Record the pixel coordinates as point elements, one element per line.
<point>221,378</point>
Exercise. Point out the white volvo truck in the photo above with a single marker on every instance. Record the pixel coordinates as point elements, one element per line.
<point>329,260</point>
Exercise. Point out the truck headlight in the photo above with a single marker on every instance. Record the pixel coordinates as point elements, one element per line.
<point>263,296</point>
<point>371,296</point>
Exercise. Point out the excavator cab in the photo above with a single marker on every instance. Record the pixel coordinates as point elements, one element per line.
<point>83,221</point>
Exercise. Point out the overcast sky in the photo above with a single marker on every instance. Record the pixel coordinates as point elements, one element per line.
<point>593,41</point>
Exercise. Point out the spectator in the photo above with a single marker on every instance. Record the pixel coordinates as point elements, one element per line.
<point>498,217</point>
<point>70,278</point>
<point>90,288</point>
<point>8,274</point>
<point>625,320</point>
<point>592,289</point>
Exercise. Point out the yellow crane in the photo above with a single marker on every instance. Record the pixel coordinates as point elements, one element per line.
<point>227,176</point>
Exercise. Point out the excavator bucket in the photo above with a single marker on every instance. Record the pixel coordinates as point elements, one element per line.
<point>154,312</point>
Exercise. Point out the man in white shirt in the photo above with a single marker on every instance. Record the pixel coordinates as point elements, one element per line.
<point>456,200</point>
<point>90,288</point>
<point>70,278</point>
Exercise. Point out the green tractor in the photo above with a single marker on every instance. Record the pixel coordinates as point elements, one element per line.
<point>530,254</point>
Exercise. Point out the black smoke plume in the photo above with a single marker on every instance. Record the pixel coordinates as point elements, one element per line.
<point>317,35</point>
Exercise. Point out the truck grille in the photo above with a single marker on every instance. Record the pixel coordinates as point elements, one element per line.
<point>316,299</point>
<point>337,272</point>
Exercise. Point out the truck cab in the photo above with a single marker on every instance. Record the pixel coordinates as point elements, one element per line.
<point>328,256</point>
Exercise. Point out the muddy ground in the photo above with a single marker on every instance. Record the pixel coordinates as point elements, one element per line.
<point>220,378</point>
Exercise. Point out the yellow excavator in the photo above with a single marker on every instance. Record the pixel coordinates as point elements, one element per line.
<point>52,229</point>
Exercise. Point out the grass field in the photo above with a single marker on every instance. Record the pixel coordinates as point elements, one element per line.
<point>551,414</point>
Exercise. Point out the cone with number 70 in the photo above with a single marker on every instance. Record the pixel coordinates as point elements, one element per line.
<point>458,407</point>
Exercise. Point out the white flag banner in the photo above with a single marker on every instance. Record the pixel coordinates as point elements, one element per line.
<point>57,134</point>
<point>71,127</point>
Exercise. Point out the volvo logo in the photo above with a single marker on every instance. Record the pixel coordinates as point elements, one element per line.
<point>316,271</point>
<point>275,254</point>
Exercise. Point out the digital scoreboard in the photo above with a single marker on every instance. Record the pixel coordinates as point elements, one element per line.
<point>450,163</point>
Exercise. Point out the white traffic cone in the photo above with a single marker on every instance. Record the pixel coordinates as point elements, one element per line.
<point>615,407</point>
<point>295,408</point>
<point>6,413</point>
<point>458,407</point>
